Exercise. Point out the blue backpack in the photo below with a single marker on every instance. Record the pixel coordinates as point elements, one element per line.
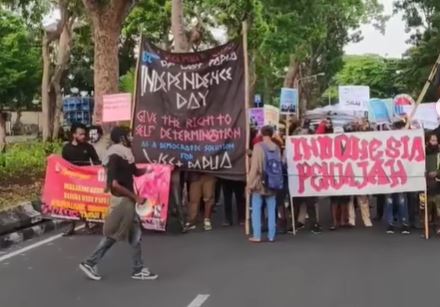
<point>272,169</point>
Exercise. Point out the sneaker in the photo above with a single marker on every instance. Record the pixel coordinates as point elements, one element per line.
<point>299,226</point>
<point>144,274</point>
<point>189,226</point>
<point>90,271</point>
<point>390,230</point>
<point>207,225</point>
<point>316,229</point>
<point>405,230</point>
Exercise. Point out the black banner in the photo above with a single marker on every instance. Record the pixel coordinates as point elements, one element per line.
<point>190,110</point>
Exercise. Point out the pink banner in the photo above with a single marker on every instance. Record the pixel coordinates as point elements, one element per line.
<point>77,193</point>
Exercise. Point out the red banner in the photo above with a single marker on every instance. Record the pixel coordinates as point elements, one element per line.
<point>77,193</point>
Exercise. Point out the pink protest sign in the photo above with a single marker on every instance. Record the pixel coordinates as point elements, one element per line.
<point>116,107</point>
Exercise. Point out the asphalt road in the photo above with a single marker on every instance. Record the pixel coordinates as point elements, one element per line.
<point>347,268</point>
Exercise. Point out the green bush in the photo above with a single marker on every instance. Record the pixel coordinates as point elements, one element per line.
<point>25,163</point>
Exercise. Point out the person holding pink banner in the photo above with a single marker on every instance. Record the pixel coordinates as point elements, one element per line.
<point>122,222</point>
<point>80,153</point>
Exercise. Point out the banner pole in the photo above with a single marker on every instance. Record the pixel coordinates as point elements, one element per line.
<point>424,90</point>
<point>134,94</point>
<point>246,108</point>
<point>426,215</point>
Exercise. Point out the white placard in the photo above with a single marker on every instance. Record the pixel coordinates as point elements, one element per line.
<point>361,163</point>
<point>426,114</point>
<point>354,97</point>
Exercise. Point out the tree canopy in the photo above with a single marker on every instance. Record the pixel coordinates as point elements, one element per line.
<point>20,65</point>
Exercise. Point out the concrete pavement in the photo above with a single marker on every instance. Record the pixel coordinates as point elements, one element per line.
<point>347,268</point>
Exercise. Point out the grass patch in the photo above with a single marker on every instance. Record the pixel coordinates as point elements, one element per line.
<point>22,170</point>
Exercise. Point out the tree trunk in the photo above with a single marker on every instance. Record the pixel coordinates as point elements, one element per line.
<point>2,132</point>
<point>64,52</point>
<point>291,77</point>
<point>181,42</point>
<point>45,89</point>
<point>106,22</point>
<point>106,66</point>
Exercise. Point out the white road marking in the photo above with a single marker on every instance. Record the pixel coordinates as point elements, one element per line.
<point>199,300</point>
<point>34,245</point>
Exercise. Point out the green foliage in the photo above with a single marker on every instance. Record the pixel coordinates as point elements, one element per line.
<point>80,70</point>
<point>25,163</point>
<point>20,67</point>
<point>126,82</point>
<point>380,74</point>
<point>423,22</point>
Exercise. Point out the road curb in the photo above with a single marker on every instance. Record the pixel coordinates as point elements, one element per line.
<point>29,233</point>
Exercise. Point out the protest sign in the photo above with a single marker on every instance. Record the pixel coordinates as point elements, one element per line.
<point>155,188</point>
<point>426,114</point>
<point>378,111</point>
<point>73,192</point>
<point>401,101</point>
<point>354,97</point>
<point>258,101</point>
<point>361,163</point>
<point>190,110</point>
<point>256,117</point>
<point>271,115</point>
<point>289,100</point>
<point>116,107</point>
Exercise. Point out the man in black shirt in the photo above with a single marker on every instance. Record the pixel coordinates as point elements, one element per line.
<point>80,153</point>
<point>122,222</point>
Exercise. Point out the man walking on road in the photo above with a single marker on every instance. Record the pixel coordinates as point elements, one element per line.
<point>79,152</point>
<point>122,222</point>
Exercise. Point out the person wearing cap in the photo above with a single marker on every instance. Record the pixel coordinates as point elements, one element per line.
<point>122,222</point>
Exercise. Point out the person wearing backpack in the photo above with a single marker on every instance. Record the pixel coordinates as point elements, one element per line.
<point>265,179</point>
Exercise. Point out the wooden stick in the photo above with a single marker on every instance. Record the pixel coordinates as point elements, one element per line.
<point>293,215</point>
<point>426,216</point>
<point>424,90</point>
<point>134,94</point>
<point>246,108</point>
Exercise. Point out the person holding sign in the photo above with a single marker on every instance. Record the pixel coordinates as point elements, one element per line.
<point>398,200</point>
<point>122,223</point>
<point>265,179</point>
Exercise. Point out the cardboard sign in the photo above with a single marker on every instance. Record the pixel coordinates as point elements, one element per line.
<point>354,97</point>
<point>361,163</point>
<point>378,111</point>
<point>271,115</point>
<point>289,101</point>
<point>426,114</point>
<point>401,104</point>
<point>256,117</point>
<point>116,108</point>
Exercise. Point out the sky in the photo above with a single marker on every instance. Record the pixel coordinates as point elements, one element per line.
<point>392,44</point>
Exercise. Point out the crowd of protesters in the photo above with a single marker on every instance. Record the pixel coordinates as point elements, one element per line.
<point>196,196</point>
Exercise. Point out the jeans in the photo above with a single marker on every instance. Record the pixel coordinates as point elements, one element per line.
<point>399,200</point>
<point>271,205</point>
<point>135,239</point>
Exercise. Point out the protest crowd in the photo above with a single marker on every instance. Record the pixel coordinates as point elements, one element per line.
<point>204,158</point>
